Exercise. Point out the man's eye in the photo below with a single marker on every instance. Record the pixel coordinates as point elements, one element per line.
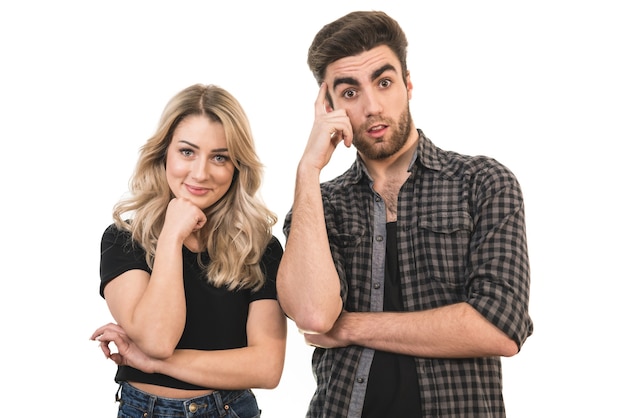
<point>385,83</point>
<point>349,94</point>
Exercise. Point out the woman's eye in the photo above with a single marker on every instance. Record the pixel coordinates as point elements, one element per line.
<point>186,152</point>
<point>221,158</point>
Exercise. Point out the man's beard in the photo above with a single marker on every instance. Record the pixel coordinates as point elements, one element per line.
<point>372,150</point>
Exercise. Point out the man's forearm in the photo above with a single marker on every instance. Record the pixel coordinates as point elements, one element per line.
<point>454,331</point>
<point>307,283</point>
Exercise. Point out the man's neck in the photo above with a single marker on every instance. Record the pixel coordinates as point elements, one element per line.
<point>394,165</point>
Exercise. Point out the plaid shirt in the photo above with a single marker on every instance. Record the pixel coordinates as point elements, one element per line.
<point>461,238</point>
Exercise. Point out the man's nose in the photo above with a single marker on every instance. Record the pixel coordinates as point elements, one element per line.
<point>371,103</point>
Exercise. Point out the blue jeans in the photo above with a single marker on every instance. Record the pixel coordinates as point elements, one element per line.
<point>135,403</point>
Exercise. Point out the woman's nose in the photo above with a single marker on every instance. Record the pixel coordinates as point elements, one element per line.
<point>199,169</point>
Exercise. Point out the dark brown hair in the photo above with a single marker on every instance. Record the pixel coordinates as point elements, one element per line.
<point>353,34</point>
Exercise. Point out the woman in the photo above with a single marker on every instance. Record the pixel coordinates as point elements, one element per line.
<point>188,269</point>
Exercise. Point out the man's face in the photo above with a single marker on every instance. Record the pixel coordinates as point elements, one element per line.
<point>370,88</point>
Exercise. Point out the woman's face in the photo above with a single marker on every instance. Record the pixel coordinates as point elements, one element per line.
<point>198,166</point>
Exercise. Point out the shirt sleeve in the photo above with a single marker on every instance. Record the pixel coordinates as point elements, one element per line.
<point>269,265</point>
<point>118,254</point>
<point>499,270</point>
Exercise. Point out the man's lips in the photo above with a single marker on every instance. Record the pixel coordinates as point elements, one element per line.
<point>377,130</point>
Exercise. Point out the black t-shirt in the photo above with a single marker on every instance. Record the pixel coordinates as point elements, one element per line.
<point>392,389</point>
<point>216,317</point>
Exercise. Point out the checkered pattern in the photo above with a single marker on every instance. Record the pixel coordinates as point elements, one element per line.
<point>461,237</point>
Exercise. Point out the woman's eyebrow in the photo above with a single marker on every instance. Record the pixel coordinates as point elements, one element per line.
<point>192,145</point>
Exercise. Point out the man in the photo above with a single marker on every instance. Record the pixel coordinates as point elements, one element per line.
<point>409,272</point>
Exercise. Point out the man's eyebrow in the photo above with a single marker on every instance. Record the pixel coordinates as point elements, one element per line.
<point>345,80</point>
<point>381,70</point>
<point>377,73</point>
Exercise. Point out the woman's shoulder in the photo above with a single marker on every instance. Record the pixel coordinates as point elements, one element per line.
<point>274,248</point>
<point>272,256</point>
<point>116,234</point>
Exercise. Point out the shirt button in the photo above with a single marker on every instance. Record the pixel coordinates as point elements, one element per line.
<point>360,380</point>
<point>376,285</point>
<point>379,238</point>
<point>193,408</point>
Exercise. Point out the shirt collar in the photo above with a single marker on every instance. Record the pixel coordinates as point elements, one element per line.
<point>426,153</point>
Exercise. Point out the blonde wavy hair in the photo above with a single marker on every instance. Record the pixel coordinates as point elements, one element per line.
<point>239,225</point>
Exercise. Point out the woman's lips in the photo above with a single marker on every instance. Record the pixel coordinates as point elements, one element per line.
<point>197,191</point>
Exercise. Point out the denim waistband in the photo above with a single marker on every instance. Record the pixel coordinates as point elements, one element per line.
<point>216,402</point>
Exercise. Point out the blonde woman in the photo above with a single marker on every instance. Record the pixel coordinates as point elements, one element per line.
<point>188,269</point>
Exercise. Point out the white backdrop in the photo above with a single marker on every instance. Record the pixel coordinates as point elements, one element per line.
<point>539,85</point>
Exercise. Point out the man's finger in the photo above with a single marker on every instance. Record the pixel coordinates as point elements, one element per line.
<point>321,107</point>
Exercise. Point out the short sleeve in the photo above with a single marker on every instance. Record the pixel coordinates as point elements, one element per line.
<point>269,265</point>
<point>118,254</point>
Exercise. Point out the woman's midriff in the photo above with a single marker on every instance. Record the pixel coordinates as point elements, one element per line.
<point>166,392</point>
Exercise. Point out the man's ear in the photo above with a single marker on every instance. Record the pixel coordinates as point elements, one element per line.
<point>409,84</point>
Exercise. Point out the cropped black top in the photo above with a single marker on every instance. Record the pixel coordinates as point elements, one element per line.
<point>216,317</point>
